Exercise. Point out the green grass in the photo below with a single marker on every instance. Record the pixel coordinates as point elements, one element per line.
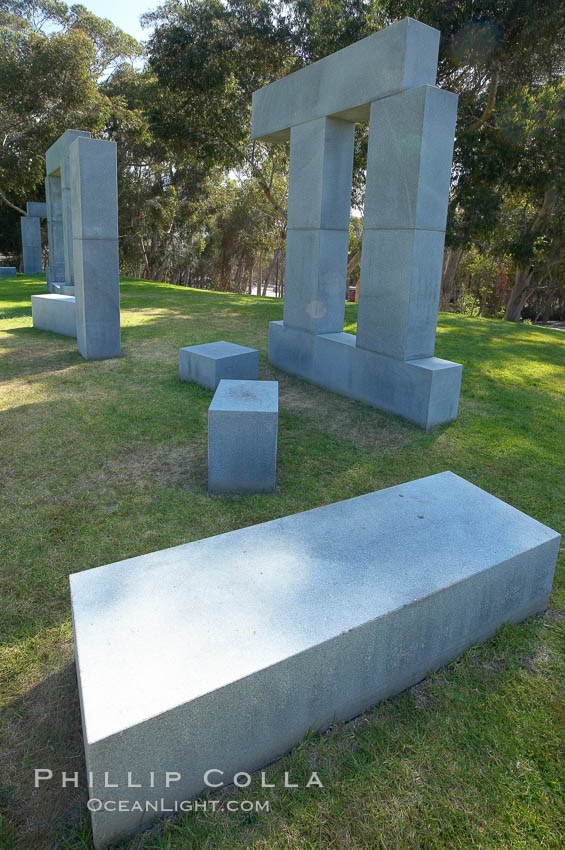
<point>105,460</point>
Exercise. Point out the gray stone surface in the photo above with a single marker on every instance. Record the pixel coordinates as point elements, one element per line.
<point>59,150</point>
<point>388,77</point>
<point>94,200</point>
<point>409,159</point>
<point>408,175</point>
<point>319,201</point>
<point>63,289</point>
<point>8,271</point>
<point>31,244</point>
<point>56,267</point>
<point>242,437</point>
<point>209,363</point>
<point>399,291</point>
<point>57,161</point>
<point>37,209</point>
<point>55,313</point>
<point>343,84</point>
<point>224,653</point>
<point>425,391</point>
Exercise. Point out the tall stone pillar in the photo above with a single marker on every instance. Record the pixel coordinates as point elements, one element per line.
<point>319,202</point>
<point>56,268</point>
<point>59,213</point>
<point>408,175</point>
<point>31,244</point>
<point>67,220</point>
<point>94,196</point>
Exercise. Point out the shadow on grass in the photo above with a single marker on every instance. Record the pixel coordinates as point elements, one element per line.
<point>42,730</point>
<point>14,313</point>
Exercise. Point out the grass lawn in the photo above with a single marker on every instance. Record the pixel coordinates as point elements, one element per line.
<point>106,460</point>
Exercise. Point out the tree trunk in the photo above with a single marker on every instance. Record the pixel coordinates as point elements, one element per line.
<point>523,277</point>
<point>260,278</point>
<point>450,266</point>
<point>272,265</point>
<point>518,294</point>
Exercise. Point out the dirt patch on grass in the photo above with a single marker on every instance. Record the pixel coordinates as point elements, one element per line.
<point>146,466</point>
<point>368,428</point>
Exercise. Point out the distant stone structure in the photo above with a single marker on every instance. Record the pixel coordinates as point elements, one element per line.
<point>31,237</point>
<point>82,226</point>
<point>389,80</point>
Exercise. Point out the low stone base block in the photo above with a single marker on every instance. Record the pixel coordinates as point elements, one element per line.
<point>242,437</point>
<point>63,289</point>
<point>223,653</point>
<point>8,271</point>
<point>55,313</point>
<point>424,391</point>
<point>209,363</point>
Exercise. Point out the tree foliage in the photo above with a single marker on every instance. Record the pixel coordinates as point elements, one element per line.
<point>201,202</point>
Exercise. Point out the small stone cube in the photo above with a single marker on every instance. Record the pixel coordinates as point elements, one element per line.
<point>242,437</point>
<point>211,362</point>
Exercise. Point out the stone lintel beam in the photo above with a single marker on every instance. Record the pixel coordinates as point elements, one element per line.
<point>344,84</point>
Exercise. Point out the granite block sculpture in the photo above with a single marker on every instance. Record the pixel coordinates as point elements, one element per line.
<point>31,237</point>
<point>242,437</point>
<point>209,363</point>
<point>222,654</point>
<point>82,225</point>
<point>387,79</point>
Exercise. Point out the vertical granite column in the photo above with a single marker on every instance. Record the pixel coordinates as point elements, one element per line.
<point>31,244</point>
<point>408,176</point>
<point>56,268</point>
<point>94,197</point>
<point>319,202</point>
<point>67,219</point>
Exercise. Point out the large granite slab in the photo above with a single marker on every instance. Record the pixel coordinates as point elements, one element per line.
<point>223,653</point>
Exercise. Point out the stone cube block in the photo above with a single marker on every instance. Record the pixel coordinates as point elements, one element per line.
<point>211,362</point>
<point>55,313</point>
<point>242,437</point>
<point>8,271</point>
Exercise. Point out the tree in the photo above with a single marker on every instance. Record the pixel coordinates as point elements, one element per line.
<point>51,59</point>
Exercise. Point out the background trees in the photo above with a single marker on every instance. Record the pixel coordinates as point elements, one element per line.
<point>200,203</point>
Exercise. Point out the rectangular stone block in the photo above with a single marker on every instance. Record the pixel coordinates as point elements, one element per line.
<point>63,289</point>
<point>92,173</point>
<point>315,275</point>
<point>59,150</point>
<point>31,244</point>
<point>224,653</point>
<point>211,362</point>
<point>424,391</point>
<point>8,271</point>
<point>37,209</point>
<point>342,85</point>
<point>55,313</point>
<point>399,292</point>
<point>242,437</point>
<point>409,159</point>
<point>94,191</point>
<point>321,167</point>
<point>56,268</point>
